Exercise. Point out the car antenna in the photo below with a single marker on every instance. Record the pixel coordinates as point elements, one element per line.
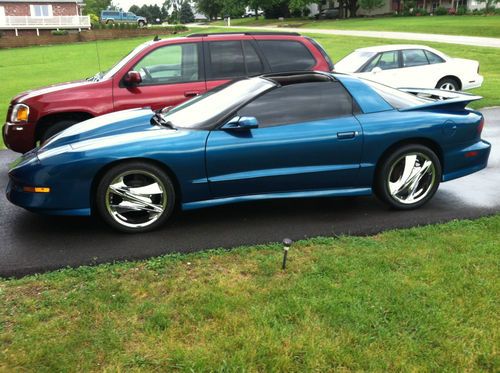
<point>97,52</point>
<point>156,38</point>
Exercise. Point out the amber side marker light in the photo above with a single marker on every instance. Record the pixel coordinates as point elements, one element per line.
<point>36,189</point>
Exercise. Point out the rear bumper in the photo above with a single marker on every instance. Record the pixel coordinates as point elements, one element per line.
<point>19,137</point>
<point>466,160</point>
<point>474,82</point>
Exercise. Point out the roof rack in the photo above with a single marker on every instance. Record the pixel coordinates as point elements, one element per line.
<point>245,33</point>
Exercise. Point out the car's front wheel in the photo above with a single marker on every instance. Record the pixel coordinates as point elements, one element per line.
<point>409,177</point>
<point>135,197</point>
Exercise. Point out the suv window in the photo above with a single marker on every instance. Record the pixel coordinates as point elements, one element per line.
<point>433,58</point>
<point>170,64</point>
<point>414,57</point>
<point>286,55</point>
<point>252,59</point>
<point>226,59</point>
<point>298,103</point>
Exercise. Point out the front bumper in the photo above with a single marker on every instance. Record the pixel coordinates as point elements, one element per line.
<point>19,137</point>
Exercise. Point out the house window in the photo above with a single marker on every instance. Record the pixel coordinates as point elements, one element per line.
<point>41,10</point>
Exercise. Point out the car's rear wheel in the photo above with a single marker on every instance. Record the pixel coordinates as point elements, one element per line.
<point>409,177</point>
<point>448,84</point>
<point>135,197</point>
<point>141,23</point>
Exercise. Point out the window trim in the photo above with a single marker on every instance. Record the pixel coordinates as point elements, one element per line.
<point>426,52</point>
<point>400,61</point>
<point>201,67</point>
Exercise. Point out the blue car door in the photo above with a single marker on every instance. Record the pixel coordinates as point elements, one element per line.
<point>307,139</point>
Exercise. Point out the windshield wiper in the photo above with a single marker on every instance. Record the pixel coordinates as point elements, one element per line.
<point>158,120</point>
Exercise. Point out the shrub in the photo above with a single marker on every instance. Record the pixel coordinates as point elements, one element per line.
<point>121,26</point>
<point>461,10</point>
<point>421,12</point>
<point>110,26</point>
<point>59,32</point>
<point>441,11</point>
<point>452,11</point>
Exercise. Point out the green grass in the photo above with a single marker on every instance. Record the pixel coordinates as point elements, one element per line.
<point>33,67</point>
<point>422,299</point>
<point>451,25</point>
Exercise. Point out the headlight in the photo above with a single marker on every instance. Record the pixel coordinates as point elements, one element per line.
<point>20,113</point>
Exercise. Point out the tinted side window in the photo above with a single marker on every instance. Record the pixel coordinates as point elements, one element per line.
<point>170,64</point>
<point>299,103</point>
<point>252,59</point>
<point>414,57</point>
<point>286,55</point>
<point>226,59</point>
<point>433,58</point>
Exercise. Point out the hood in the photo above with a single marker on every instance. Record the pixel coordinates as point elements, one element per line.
<point>50,89</point>
<point>133,122</point>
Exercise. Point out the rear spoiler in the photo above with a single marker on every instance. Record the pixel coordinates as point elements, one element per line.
<point>441,99</point>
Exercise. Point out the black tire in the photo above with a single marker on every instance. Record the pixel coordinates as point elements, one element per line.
<point>392,166</point>
<point>135,221</point>
<point>57,127</point>
<point>449,82</point>
<point>109,21</point>
<point>141,23</point>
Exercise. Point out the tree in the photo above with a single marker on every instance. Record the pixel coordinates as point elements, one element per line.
<point>186,13</point>
<point>134,9</point>
<point>210,8</point>
<point>95,6</point>
<point>369,5</point>
<point>489,4</point>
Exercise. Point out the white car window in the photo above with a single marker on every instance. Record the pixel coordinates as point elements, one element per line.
<point>433,58</point>
<point>414,57</point>
<point>389,60</point>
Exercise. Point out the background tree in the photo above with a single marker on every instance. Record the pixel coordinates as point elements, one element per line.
<point>95,6</point>
<point>186,13</point>
<point>369,5</point>
<point>210,8</point>
<point>490,4</point>
<point>134,9</point>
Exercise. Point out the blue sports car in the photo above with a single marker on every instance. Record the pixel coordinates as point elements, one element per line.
<point>293,135</point>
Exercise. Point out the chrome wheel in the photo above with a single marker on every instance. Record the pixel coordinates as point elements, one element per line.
<point>447,86</point>
<point>411,178</point>
<point>136,198</point>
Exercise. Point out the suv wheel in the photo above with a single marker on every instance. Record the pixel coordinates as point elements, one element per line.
<point>56,128</point>
<point>141,23</point>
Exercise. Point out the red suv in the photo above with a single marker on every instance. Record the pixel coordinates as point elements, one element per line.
<point>159,73</point>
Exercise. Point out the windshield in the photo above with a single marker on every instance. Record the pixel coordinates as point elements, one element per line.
<point>352,62</point>
<point>205,110</point>
<point>396,98</point>
<point>109,73</point>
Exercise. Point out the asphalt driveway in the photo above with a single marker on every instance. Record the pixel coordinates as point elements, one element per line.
<point>33,243</point>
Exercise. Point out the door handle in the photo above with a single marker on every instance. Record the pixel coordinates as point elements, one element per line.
<point>191,93</point>
<point>346,135</point>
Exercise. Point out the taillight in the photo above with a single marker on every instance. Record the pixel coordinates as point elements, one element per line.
<point>480,127</point>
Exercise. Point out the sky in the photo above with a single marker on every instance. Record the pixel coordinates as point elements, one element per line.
<point>126,4</point>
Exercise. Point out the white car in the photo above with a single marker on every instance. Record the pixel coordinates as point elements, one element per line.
<point>414,66</point>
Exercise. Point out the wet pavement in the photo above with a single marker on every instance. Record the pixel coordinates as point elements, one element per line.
<point>33,243</point>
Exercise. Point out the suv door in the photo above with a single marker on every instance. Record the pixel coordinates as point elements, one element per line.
<point>307,139</point>
<point>230,59</point>
<point>170,75</point>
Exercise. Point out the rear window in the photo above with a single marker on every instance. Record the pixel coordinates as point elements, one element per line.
<point>286,55</point>
<point>394,97</point>
<point>323,53</point>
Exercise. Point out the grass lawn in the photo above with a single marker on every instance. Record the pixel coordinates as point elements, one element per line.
<point>32,67</point>
<point>452,25</point>
<point>422,299</point>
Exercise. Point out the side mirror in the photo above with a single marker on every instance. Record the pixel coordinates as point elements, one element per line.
<point>132,78</point>
<point>376,70</point>
<point>241,124</point>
